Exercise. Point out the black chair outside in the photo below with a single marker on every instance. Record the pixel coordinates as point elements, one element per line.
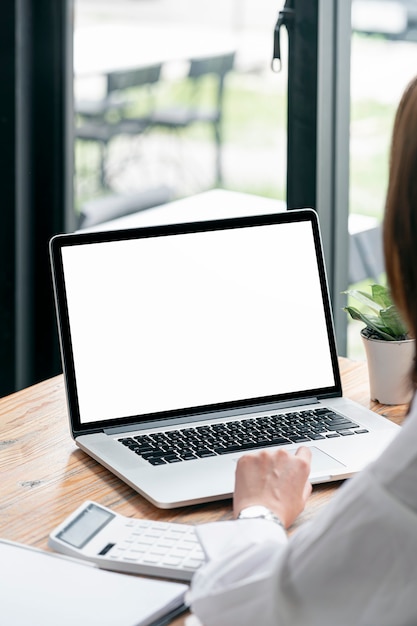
<point>180,116</point>
<point>102,120</point>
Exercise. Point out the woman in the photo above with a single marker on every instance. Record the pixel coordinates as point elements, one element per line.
<point>356,563</point>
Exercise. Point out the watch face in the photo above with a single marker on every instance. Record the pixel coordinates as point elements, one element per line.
<point>260,512</point>
<point>254,511</point>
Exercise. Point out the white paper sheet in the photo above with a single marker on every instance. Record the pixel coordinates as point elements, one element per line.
<point>42,589</point>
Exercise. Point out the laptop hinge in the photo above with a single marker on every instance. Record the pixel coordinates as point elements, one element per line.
<point>212,415</point>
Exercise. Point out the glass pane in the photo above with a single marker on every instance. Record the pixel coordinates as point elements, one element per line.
<point>174,98</point>
<point>384,59</point>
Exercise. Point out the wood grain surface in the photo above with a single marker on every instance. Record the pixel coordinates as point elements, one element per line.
<point>44,476</point>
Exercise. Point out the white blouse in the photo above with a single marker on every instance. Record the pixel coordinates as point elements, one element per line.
<point>355,564</point>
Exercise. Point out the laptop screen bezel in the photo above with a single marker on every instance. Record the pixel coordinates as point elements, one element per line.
<point>59,242</point>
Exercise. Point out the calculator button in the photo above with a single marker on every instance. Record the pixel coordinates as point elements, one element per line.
<point>166,543</point>
<point>145,541</point>
<point>157,551</point>
<point>151,535</point>
<point>106,549</point>
<point>192,563</point>
<point>180,530</point>
<point>171,560</point>
<point>181,554</point>
<point>154,560</point>
<point>161,526</point>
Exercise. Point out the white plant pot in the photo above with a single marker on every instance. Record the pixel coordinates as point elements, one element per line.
<point>389,366</point>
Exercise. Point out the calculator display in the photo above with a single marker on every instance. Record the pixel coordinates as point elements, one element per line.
<point>85,526</point>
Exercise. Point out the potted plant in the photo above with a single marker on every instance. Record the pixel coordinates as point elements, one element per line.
<point>389,348</point>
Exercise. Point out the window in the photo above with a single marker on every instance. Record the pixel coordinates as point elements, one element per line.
<point>384,60</point>
<point>40,137</point>
<point>174,98</point>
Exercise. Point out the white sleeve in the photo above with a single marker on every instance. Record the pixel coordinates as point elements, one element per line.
<point>355,564</point>
<point>236,584</point>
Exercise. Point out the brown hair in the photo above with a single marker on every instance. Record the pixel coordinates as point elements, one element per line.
<point>400,222</point>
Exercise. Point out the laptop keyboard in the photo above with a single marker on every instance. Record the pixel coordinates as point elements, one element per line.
<point>187,444</point>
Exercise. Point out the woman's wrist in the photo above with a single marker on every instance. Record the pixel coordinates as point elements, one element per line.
<point>260,512</point>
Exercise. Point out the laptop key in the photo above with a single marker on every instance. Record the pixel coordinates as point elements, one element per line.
<point>251,446</point>
<point>230,448</point>
<point>341,426</point>
<point>204,453</point>
<point>221,450</point>
<point>144,447</point>
<point>156,461</point>
<point>152,454</point>
<point>279,441</point>
<point>299,439</point>
<point>128,441</point>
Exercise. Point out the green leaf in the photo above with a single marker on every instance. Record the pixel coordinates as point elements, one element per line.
<point>371,321</point>
<point>381,295</point>
<point>366,299</point>
<point>392,320</point>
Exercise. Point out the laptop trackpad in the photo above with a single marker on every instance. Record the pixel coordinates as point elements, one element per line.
<point>323,464</point>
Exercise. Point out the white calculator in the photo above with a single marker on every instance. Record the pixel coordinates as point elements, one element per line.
<point>124,544</point>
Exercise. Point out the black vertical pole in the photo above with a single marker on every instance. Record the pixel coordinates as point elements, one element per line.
<point>8,76</point>
<point>318,127</point>
<point>49,157</point>
<point>35,158</point>
<point>302,105</point>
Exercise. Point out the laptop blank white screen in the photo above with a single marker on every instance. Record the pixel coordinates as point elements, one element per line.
<point>186,320</point>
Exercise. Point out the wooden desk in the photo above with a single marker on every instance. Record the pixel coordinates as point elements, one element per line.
<point>44,476</point>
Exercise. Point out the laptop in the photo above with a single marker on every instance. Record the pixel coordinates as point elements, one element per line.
<point>185,346</point>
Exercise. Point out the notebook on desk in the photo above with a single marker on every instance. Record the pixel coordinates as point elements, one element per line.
<point>44,589</point>
<point>185,346</point>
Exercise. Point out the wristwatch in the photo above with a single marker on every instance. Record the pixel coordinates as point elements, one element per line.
<point>259,512</point>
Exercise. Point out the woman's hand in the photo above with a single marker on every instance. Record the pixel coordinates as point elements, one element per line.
<point>275,479</point>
